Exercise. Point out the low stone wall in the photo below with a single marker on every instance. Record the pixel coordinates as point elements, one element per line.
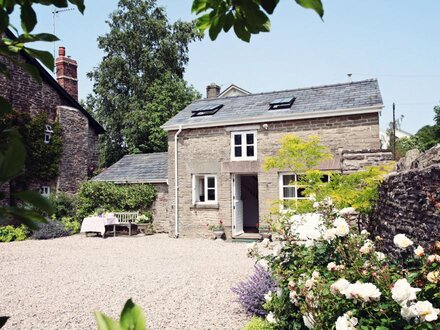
<point>355,160</point>
<point>409,203</point>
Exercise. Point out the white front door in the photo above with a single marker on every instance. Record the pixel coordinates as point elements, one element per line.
<point>237,206</point>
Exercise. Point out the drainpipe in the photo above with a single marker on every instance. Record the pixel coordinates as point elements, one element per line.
<point>176,183</point>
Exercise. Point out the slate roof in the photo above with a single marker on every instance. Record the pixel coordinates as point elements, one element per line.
<point>140,168</point>
<point>313,100</point>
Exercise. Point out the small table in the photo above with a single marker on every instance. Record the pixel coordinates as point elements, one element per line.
<point>96,224</point>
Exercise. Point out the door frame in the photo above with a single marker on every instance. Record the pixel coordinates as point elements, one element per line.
<point>233,204</point>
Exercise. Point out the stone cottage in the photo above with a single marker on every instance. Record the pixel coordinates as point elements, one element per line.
<point>58,98</point>
<point>216,147</point>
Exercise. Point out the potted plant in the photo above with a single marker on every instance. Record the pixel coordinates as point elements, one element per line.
<point>144,223</point>
<point>218,230</point>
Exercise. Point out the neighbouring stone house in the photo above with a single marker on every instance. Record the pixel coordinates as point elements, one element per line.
<point>58,98</point>
<point>216,147</point>
<point>144,169</point>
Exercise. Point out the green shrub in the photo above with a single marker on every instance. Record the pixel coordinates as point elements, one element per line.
<point>112,197</point>
<point>257,323</point>
<point>71,224</point>
<point>11,233</point>
<point>145,217</point>
<point>49,230</point>
<point>64,205</point>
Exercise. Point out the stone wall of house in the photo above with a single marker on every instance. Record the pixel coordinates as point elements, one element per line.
<point>208,151</point>
<point>355,160</point>
<point>79,144</point>
<point>409,202</point>
<point>160,208</point>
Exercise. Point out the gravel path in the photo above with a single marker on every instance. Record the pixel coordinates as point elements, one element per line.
<point>180,284</point>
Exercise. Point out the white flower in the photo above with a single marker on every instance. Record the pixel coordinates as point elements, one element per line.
<point>402,291</point>
<point>339,286</point>
<point>309,284</point>
<point>263,263</point>
<point>271,318</point>
<point>434,277</point>
<point>316,205</point>
<point>341,226</point>
<point>293,297</point>
<point>315,275</point>
<point>291,285</point>
<point>433,258</point>
<point>362,291</point>
<point>407,313</point>
<point>365,232</point>
<point>331,266</point>
<point>277,249</point>
<point>368,247</point>
<point>279,292</point>
<point>252,250</point>
<point>329,234</point>
<point>425,311</point>
<point>380,256</point>
<point>268,297</point>
<point>328,201</point>
<point>347,211</point>
<point>419,252</point>
<point>265,243</point>
<point>309,321</point>
<point>401,241</point>
<point>346,322</point>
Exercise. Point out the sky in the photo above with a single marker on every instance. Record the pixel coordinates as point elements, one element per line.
<point>394,41</point>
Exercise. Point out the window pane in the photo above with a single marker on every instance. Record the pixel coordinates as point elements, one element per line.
<point>201,189</point>
<point>237,152</point>
<point>250,151</point>
<point>237,140</point>
<point>288,192</point>
<point>211,194</point>
<point>211,182</point>
<point>300,192</point>
<point>250,138</point>
<point>288,180</point>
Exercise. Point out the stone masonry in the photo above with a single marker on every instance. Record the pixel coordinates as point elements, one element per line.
<point>208,150</point>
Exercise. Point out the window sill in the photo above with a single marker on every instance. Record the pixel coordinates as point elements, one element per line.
<point>207,206</point>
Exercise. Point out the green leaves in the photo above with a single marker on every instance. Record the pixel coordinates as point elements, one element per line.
<point>45,57</point>
<point>316,5</point>
<point>246,16</point>
<point>28,17</point>
<point>12,154</point>
<point>36,200</point>
<point>132,318</point>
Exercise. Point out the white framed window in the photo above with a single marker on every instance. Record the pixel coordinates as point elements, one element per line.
<point>244,145</point>
<point>291,190</point>
<point>45,191</point>
<point>48,132</point>
<point>204,189</point>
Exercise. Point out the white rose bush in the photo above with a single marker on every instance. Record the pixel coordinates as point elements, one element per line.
<point>340,280</point>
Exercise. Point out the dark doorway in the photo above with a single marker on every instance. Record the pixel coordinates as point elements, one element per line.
<point>249,196</point>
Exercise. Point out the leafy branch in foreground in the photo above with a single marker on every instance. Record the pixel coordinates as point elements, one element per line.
<point>132,318</point>
<point>247,17</point>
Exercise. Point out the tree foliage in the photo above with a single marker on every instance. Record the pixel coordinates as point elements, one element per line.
<point>139,83</point>
<point>246,17</point>
<point>297,155</point>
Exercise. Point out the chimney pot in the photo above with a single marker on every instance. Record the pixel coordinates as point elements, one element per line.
<point>212,91</point>
<point>67,73</point>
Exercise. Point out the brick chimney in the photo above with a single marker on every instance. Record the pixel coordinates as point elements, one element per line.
<point>212,91</point>
<point>67,75</point>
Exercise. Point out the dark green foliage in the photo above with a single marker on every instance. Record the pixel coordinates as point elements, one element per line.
<point>427,137</point>
<point>64,205</point>
<point>51,229</point>
<point>112,197</point>
<point>139,84</point>
<point>246,17</point>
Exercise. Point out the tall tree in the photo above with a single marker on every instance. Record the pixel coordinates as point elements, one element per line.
<point>139,84</point>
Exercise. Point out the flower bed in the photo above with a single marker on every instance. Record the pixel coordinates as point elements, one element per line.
<point>335,278</point>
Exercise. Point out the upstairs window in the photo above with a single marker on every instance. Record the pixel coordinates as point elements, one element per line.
<point>281,103</point>
<point>45,191</point>
<point>204,189</point>
<point>207,110</point>
<point>48,132</point>
<point>244,145</point>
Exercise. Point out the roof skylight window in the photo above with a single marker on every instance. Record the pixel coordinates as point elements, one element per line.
<point>207,110</point>
<point>282,103</point>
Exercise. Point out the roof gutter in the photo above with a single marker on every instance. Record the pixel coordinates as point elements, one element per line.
<point>176,183</point>
<point>304,115</point>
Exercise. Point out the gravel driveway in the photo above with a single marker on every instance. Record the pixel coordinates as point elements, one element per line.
<point>180,283</point>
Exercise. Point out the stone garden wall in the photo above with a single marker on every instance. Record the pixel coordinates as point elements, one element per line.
<point>409,201</point>
<point>356,160</point>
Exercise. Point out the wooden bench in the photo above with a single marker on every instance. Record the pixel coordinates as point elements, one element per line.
<point>125,219</point>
